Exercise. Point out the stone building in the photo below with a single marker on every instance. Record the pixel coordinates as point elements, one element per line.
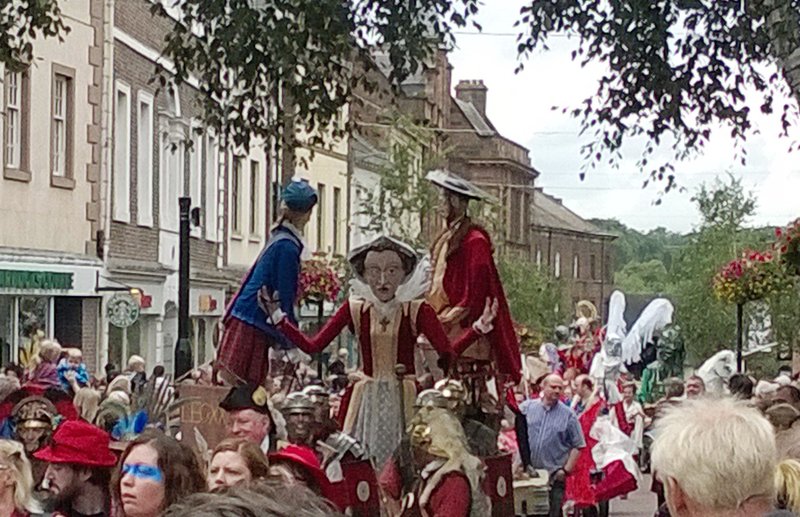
<point>50,189</point>
<point>573,249</point>
<point>495,163</point>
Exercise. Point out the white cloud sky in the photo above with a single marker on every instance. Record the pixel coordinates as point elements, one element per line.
<point>520,105</point>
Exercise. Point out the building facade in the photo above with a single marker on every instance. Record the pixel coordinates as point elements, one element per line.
<point>572,249</point>
<point>50,190</point>
<point>159,152</point>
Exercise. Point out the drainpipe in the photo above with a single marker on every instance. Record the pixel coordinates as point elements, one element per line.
<point>105,161</point>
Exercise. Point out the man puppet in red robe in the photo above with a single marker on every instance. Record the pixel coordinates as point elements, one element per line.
<point>464,276</point>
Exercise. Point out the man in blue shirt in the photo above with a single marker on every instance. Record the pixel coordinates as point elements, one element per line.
<point>554,437</point>
<point>243,355</point>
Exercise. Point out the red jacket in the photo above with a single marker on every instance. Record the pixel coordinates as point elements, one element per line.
<point>470,277</point>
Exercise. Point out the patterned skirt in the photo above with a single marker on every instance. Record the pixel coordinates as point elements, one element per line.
<point>243,353</point>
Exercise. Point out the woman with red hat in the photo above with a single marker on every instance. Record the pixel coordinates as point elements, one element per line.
<point>155,471</point>
<point>297,464</point>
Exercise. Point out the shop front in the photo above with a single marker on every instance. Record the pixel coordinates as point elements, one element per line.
<point>206,308</point>
<point>47,296</point>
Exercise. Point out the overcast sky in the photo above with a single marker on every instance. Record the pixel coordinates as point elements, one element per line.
<point>520,105</point>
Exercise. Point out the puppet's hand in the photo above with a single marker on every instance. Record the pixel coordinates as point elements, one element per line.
<point>484,324</point>
<point>271,306</point>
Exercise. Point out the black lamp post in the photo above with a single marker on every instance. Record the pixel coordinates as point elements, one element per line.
<point>183,348</point>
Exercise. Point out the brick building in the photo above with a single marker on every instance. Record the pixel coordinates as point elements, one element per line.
<point>159,152</point>
<point>573,249</point>
<point>495,163</point>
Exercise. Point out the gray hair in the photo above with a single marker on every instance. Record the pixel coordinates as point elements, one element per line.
<point>721,452</point>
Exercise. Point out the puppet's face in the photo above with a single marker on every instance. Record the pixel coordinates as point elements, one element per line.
<point>384,273</point>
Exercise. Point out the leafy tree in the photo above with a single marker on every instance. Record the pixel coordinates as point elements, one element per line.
<point>21,23</point>
<point>708,324</point>
<point>404,199</point>
<point>649,277</point>
<point>536,299</point>
<point>267,65</point>
<point>676,69</point>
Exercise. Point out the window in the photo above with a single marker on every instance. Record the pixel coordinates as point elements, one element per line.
<point>337,231</point>
<point>195,169</point>
<point>61,130</point>
<point>523,219</point>
<point>17,110</point>
<point>557,265</point>
<point>144,160</point>
<point>538,258</point>
<point>212,165</point>
<point>122,154</point>
<point>593,266</point>
<point>576,268</point>
<point>254,196</point>
<point>321,217</point>
<point>172,150</point>
<point>236,197</point>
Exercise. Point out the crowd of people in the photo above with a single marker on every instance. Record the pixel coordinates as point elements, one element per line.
<point>438,419</point>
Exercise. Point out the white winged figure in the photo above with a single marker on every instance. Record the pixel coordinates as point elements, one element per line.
<point>607,364</point>
<point>654,317</point>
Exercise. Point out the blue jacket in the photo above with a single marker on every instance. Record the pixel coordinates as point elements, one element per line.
<point>278,268</point>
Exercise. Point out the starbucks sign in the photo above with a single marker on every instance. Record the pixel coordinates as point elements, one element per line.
<point>122,311</point>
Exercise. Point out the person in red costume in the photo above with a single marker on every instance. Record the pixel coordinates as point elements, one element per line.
<point>450,477</point>
<point>387,322</point>
<point>465,275</point>
<point>579,490</point>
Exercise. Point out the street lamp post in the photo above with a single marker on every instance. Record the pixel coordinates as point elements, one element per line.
<point>183,348</point>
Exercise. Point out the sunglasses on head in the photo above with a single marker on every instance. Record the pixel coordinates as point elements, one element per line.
<point>146,472</point>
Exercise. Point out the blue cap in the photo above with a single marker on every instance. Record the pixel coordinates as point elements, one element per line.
<point>299,196</point>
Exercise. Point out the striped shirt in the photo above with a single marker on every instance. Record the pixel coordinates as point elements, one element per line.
<point>552,433</point>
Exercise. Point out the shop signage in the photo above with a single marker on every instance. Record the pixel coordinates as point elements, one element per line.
<point>206,303</point>
<point>45,280</point>
<point>123,311</point>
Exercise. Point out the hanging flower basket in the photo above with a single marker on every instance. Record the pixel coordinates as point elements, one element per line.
<point>787,245</point>
<point>319,280</point>
<point>754,276</point>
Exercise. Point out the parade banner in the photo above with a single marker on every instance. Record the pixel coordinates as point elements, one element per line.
<point>202,415</point>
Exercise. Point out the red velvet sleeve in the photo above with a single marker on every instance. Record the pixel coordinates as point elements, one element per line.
<point>429,325</point>
<point>332,328</point>
<point>451,498</point>
<point>478,255</point>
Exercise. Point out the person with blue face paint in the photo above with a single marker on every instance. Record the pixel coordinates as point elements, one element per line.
<point>243,355</point>
<point>155,471</point>
<point>79,465</point>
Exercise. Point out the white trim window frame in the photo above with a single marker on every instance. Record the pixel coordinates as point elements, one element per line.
<point>195,183</point>
<point>144,158</point>
<point>14,103</point>
<point>122,153</point>
<point>210,206</point>
<point>557,265</point>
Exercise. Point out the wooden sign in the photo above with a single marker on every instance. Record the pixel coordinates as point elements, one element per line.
<point>203,415</point>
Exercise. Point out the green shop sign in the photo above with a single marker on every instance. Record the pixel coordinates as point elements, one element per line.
<point>10,279</point>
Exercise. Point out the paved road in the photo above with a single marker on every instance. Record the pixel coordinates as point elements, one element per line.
<point>641,503</point>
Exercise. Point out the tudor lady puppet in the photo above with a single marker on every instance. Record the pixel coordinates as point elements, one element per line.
<point>386,323</point>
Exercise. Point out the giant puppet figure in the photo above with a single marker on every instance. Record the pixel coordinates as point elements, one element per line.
<point>464,276</point>
<point>243,352</point>
<point>387,323</point>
